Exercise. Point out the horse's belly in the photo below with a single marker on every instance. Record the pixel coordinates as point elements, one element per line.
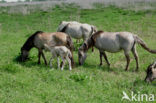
<point>112,50</point>
<point>74,32</point>
<point>108,46</point>
<point>79,36</point>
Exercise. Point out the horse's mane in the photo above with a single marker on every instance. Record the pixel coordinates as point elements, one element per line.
<point>94,36</point>
<point>30,41</point>
<point>97,33</point>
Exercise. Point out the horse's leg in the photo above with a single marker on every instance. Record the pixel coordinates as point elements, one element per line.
<point>69,62</point>
<point>100,58</point>
<point>50,62</point>
<point>58,62</point>
<point>128,60</point>
<point>105,56</point>
<point>72,59</point>
<point>39,56</point>
<point>135,54</point>
<point>44,58</point>
<point>63,63</point>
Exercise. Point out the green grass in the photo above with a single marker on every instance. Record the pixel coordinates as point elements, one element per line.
<point>31,83</point>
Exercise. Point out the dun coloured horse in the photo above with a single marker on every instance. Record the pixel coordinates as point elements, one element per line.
<point>39,39</point>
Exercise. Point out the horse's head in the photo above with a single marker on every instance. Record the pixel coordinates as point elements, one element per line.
<point>82,53</point>
<point>24,54</point>
<point>151,73</point>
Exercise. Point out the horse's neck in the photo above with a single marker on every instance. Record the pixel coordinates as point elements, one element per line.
<point>28,45</point>
<point>90,44</point>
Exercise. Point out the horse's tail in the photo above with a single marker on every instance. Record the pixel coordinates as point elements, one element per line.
<point>142,43</point>
<point>70,45</point>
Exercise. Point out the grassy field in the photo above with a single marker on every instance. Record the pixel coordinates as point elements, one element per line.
<point>31,83</point>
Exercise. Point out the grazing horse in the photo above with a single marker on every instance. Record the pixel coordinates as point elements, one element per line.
<point>39,39</point>
<point>113,42</point>
<point>151,72</point>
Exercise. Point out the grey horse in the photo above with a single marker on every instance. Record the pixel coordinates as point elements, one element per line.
<point>113,42</point>
<point>77,30</point>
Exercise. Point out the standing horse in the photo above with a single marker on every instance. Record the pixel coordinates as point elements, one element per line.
<point>77,30</point>
<point>39,39</point>
<point>113,42</point>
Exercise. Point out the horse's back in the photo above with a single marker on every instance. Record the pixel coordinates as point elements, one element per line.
<point>126,40</point>
<point>114,41</point>
<point>74,30</point>
<point>108,42</point>
<point>51,39</point>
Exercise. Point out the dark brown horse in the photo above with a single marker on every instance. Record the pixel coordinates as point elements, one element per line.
<point>39,39</point>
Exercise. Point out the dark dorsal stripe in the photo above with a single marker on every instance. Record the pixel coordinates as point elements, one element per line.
<point>30,41</point>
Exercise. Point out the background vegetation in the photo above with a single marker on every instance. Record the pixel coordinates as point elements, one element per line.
<point>31,83</point>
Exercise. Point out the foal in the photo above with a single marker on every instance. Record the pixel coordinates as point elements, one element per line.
<point>61,51</point>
